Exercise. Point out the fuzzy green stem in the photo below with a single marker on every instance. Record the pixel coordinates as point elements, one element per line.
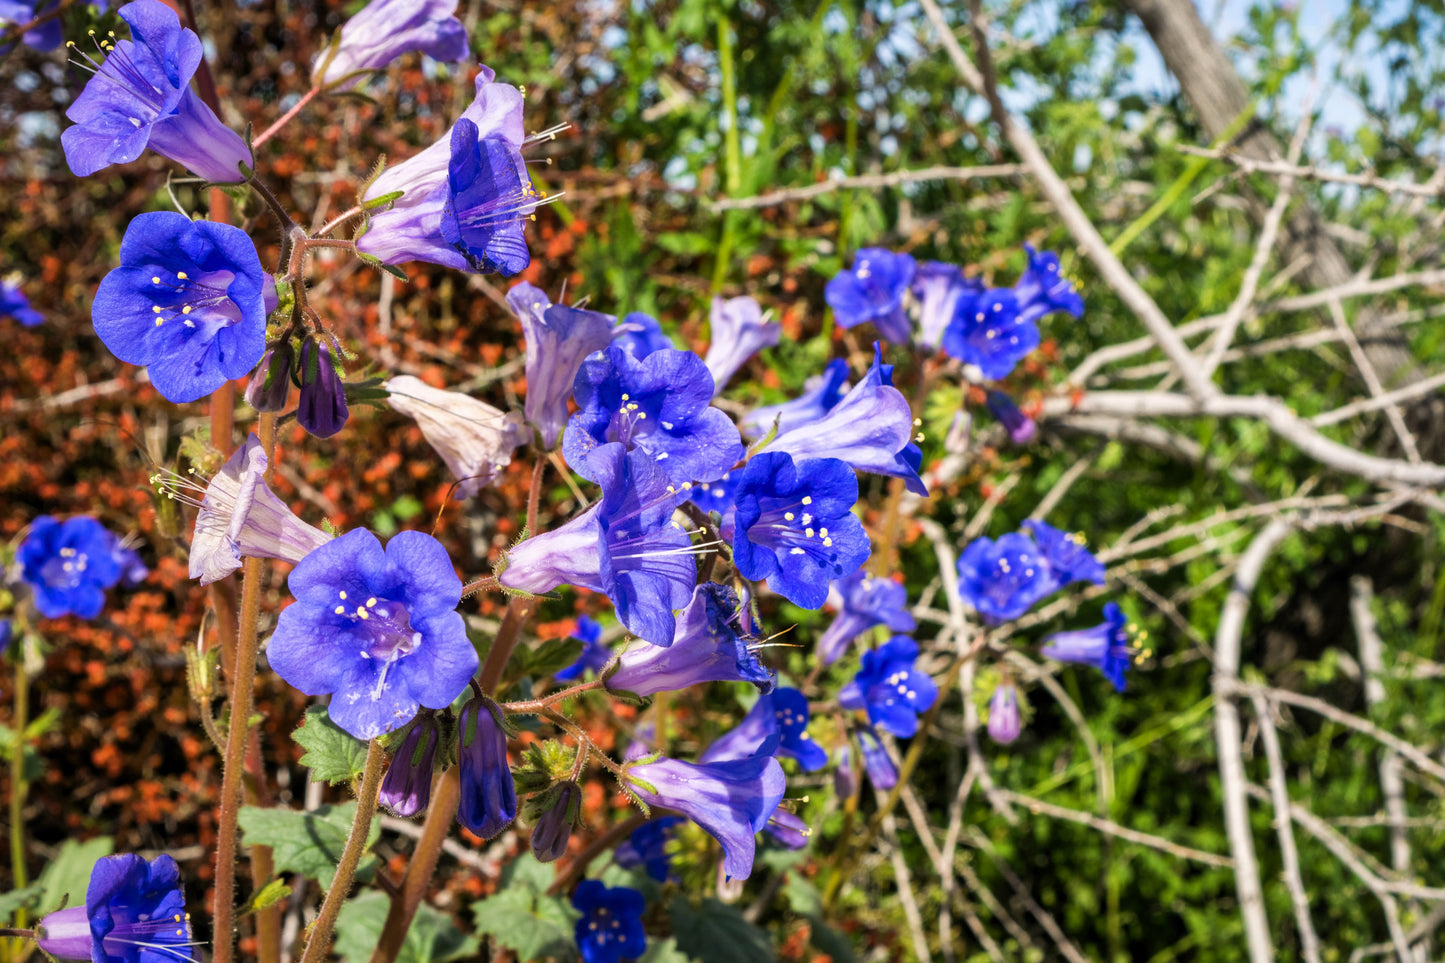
<point>18,787</point>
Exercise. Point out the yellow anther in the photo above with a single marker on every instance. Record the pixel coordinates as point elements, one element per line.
<point>807,499</point>
<point>186,309</point>
<point>182,275</point>
<point>787,516</point>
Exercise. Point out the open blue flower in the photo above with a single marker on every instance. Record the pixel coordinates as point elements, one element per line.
<point>611,925</point>
<point>820,395</point>
<point>794,526</point>
<point>595,655</point>
<point>647,847</point>
<point>1043,290</point>
<point>659,404</point>
<point>626,545</point>
<point>68,565</point>
<point>939,288</point>
<point>1067,557</point>
<point>1105,646</point>
<point>782,713</point>
<point>558,339</point>
<point>488,793</point>
<point>1002,580</point>
<point>873,291</point>
<point>134,912</point>
<point>384,30</point>
<point>737,331</point>
<point>991,332</point>
<point>865,602</point>
<point>708,647</point>
<point>189,301</point>
<point>890,689</point>
<point>14,304</point>
<point>377,629</point>
<point>640,335</point>
<point>871,429</point>
<point>490,195</point>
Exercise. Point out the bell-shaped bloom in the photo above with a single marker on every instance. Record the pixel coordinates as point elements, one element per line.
<point>554,829</point>
<point>241,517</point>
<point>794,525</point>
<point>1020,427</point>
<point>1005,719</point>
<point>782,713</point>
<point>864,601</point>
<point>610,929</point>
<point>489,195</point>
<point>474,439</point>
<point>1002,580</point>
<point>787,828</point>
<point>68,565</point>
<point>1105,646</point>
<point>708,647</point>
<point>1065,553</point>
<point>938,288</point>
<point>871,429</point>
<point>1042,289</point>
<point>409,227</point>
<point>595,655</point>
<point>821,393</point>
<point>189,301</point>
<point>890,689</point>
<point>738,332</point>
<point>558,339</point>
<point>874,291</point>
<point>270,384</point>
<point>134,912</point>
<point>14,304</point>
<point>384,30</point>
<point>660,405</point>
<point>140,97</point>
<point>322,408</point>
<point>406,787</point>
<point>731,800</point>
<point>626,545</point>
<point>647,847</point>
<point>488,794</point>
<point>376,628</point>
<point>877,763</point>
<point>640,335</point>
<point>991,332</point>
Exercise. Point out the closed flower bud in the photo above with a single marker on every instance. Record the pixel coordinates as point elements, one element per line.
<point>406,788</point>
<point>1005,721</point>
<point>554,829</point>
<point>322,410</point>
<point>271,383</point>
<point>489,796</point>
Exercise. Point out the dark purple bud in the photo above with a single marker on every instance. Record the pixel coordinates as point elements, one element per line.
<point>322,410</point>
<point>271,383</point>
<point>1005,722</point>
<point>549,837</point>
<point>845,777</point>
<point>406,789</point>
<point>1021,428</point>
<point>876,761</point>
<point>489,796</point>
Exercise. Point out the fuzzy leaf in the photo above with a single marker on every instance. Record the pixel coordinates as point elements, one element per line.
<point>308,843</point>
<point>332,753</point>
<point>433,938</point>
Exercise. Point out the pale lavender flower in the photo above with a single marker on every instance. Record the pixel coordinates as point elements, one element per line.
<point>473,438</point>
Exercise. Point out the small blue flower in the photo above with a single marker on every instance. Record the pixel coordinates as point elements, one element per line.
<point>1067,558</point>
<point>1021,428</point>
<point>488,793</point>
<point>68,565</point>
<point>490,195</point>
<point>1005,720</point>
<point>1043,290</point>
<point>718,494</point>
<point>866,602</point>
<point>871,429</point>
<point>991,332</point>
<point>1105,646</point>
<point>782,713</point>
<point>189,300</point>
<point>939,288</point>
<point>873,291</point>
<point>378,629</point>
<point>640,335</point>
<point>595,655</point>
<point>707,647</point>
<point>406,788</point>
<point>737,331</point>
<point>890,689</point>
<point>821,393</point>
<point>611,925</point>
<point>1002,580</point>
<point>558,339</point>
<point>647,847</point>
<point>659,404</point>
<point>134,912</point>
<point>384,30</point>
<point>14,304</point>
<point>794,525</point>
<point>321,408</point>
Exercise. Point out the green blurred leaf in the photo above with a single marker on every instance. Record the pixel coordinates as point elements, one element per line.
<point>69,872</point>
<point>714,932</point>
<point>28,897</point>
<point>525,919</point>
<point>433,938</point>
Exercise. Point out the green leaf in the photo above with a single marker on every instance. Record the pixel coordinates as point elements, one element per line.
<point>527,872</point>
<point>68,874</point>
<point>717,933</point>
<point>432,938</point>
<point>308,843</point>
<point>522,917</point>
<point>332,753</point>
<point>548,658</point>
<point>394,271</point>
<point>663,951</point>
<point>12,901</point>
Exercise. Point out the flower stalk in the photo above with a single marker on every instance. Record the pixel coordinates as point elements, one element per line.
<point>20,719</point>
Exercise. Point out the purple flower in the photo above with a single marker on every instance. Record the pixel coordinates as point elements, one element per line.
<point>378,629</point>
<point>717,495</point>
<point>554,829</point>
<point>626,546</point>
<point>384,30</point>
<point>611,924</point>
<point>134,912</point>
<point>1002,580</point>
<point>782,713</point>
<point>738,332</point>
<point>15,13</point>
<point>14,303</point>
<point>1067,558</point>
<point>731,800</point>
<point>890,689</point>
<point>991,332</point>
<point>865,602</point>
<point>270,385</point>
<point>489,195</point>
<point>874,291</point>
<point>409,226</point>
<point>1105,646</point>
<point>1043,290</point>
<point>133,569</point>
<point>595,655</point>
<point>660,405</point>
<point>788,829</point>
<point>489,795</point>
<point>240,517</point>
<point>871,429</point>
<point>876,761</point>
<point>1005,721</point>
<point>939,288</point>
<point>1021,428</point>
<point>647,847</point>
<point>406,788</point>
<point>322,408</point>
<point>558,339</point>
<point>189,300</point>
<point>707,647</point>
<point>845,774</point>
<point>68,565</point>
<point>474,439</point>
<point>640,335</point>
<point>821,394</point>
<point>794,525</point>
<point>140,97</point>
<point>7,634</point>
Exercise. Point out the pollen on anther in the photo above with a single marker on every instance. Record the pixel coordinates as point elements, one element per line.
<point>807,499</point>
<point>182,275</point>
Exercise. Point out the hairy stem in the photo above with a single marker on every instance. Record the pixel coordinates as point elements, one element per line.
<point>281,121</point>
<point>19,720</point>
